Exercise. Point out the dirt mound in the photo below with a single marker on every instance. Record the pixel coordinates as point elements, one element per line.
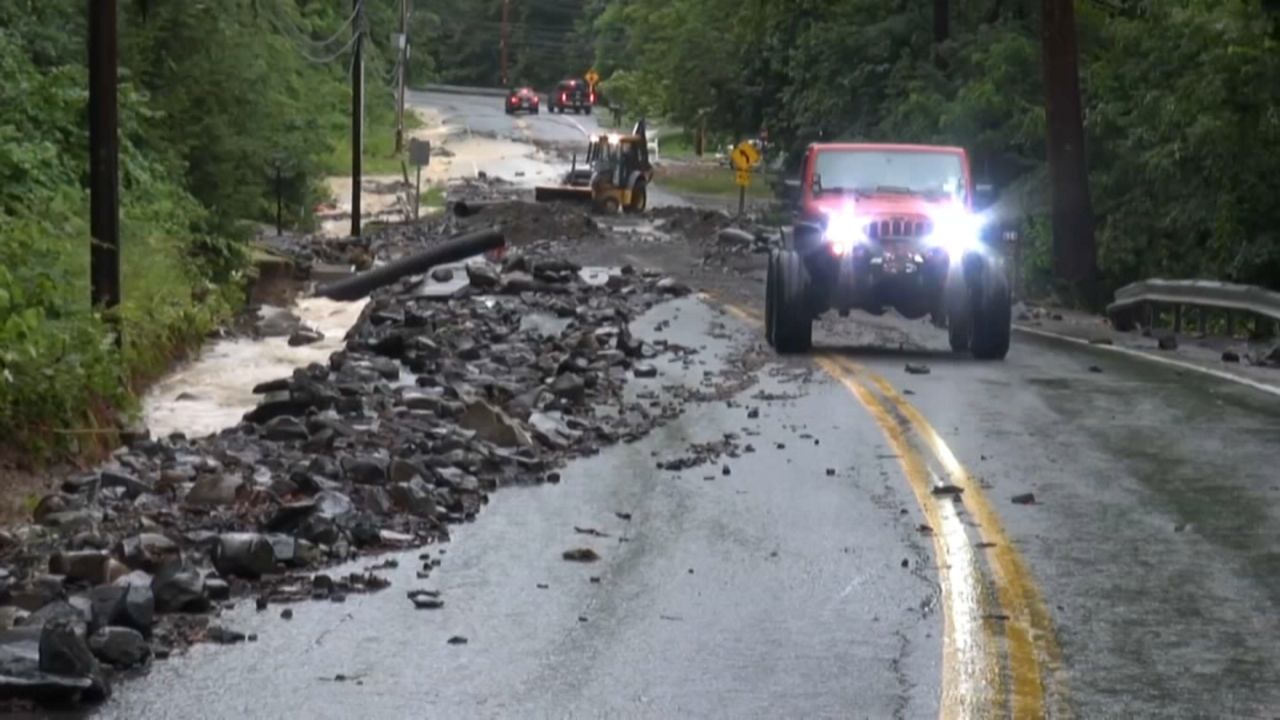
<point>525,222</point>
<point>693,223</point>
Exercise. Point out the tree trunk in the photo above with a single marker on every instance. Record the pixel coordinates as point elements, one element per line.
<point>941,21</point>
<point>1074,249</point>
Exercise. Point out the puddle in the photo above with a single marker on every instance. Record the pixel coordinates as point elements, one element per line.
<point>215,390</point>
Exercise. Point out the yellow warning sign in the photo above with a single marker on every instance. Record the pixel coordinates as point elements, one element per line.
<point>745,156</point>
<point>592,78</point>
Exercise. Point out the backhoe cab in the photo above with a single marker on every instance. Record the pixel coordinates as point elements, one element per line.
<point>615,175</point>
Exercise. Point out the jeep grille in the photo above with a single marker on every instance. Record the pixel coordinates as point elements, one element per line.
<point>898,227</point>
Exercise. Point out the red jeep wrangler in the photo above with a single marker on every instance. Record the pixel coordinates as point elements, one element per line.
<point>889,226</point>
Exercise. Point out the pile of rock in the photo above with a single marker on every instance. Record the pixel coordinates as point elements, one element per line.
<point>433,403</point>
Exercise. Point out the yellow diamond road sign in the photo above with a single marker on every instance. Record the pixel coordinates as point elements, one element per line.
<point>745,156</point>
<point>592,78</point>
<point>743,177</point>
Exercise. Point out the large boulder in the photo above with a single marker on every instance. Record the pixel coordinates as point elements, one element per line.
<point>147,551</point>
<point>130,606</point>
<point>213,491</point>
<point>247,555</point>
<point>121,647</point>
<point>493,425</point>
<point>179,588</point>
<point>64,652</point>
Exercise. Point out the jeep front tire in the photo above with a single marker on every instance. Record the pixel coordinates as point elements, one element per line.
<point>792,322</point>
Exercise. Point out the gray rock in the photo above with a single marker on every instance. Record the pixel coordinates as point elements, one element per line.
<point>551,431</point>
<point>121,647</point>
<point>179,588</point>
<point>365,471</point>
<point>38,592</point>
<point>130,606</point>
<point>645,370</point>
<point>414,497</point>
<point>482,276</point>
<point>213,491</point>
<point>215,588</point>
<point>147,551</point>
<point>133,487</point>
<point>248,555</point>
<point>224,636</point>
<point>55,504</point>
<point>442,275</point>
<point>285,548</point>
<point>305,336</point>
<point>89,566</point>
<point>64,652</point>
<point>284,429</point>
<point>72,521</point>
<point>492,425</point>
<point>403,471</point>
<point>671,286</point>
<point>59,610</point>
<point>1168,341</point>
<point>569,386</point>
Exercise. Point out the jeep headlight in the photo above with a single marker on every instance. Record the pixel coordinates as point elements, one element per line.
<point>957,231</point>
<point>844,230</point>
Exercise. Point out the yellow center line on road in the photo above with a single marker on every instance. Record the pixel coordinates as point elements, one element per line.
<point>1029,629</point>
<point>973,678</point>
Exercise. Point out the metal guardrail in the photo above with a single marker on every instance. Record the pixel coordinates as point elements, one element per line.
<point>1204,294</point>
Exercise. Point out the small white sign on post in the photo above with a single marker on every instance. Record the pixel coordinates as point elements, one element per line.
<point>397,40</point>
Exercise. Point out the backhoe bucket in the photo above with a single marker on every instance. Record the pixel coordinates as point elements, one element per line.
<point>561,193</point>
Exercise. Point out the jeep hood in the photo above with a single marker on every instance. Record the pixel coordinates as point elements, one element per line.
<point>877,205</point>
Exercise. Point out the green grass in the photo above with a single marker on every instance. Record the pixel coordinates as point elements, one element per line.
<point>710,180</point>
<point>379,157</point>
<point>433,197</point>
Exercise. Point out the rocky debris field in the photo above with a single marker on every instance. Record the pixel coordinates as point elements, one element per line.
<point>434,402</point>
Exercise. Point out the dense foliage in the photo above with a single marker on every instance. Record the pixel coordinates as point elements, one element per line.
<point>212,95</point>
<point>1181,104</point>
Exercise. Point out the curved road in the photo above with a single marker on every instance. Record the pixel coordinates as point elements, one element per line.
<point>863,557</point>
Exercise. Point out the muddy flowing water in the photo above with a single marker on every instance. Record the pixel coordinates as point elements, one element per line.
<point>215,390</point>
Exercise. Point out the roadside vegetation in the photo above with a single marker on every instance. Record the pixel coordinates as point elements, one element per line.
<point>707,180</point>
<point>1180,102</point>
<point>213,96</point>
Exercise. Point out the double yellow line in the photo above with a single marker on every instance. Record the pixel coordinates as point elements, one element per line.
<point>1001,656</point>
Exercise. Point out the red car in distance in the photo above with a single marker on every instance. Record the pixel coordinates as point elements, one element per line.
<point>522,100</point>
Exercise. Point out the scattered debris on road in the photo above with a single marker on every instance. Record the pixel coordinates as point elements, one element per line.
<point>917,369</point>
<point>584,555</point>
<point>1024,499</point>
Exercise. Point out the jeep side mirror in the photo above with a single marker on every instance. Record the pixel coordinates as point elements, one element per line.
<point>817,183</point>
<point>984,196</point>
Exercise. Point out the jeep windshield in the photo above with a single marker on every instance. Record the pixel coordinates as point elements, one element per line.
<point>889,172</point>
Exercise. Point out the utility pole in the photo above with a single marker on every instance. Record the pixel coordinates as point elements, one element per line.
<point>506,34</point>
<point>104,175</point>
<point>404,58</point>
<point>357,115</point>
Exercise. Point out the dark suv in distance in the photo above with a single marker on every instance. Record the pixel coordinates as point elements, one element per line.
<point>522,99</point>
<point>573,94</point>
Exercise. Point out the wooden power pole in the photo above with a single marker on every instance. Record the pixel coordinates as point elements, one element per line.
<point>357,115</point>
<point>1074,248</point>
<point>104,175</point>
<point>506,36</point>
<point>404,59</point>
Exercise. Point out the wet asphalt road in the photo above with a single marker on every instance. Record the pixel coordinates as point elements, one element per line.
<point>1143,582</point>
